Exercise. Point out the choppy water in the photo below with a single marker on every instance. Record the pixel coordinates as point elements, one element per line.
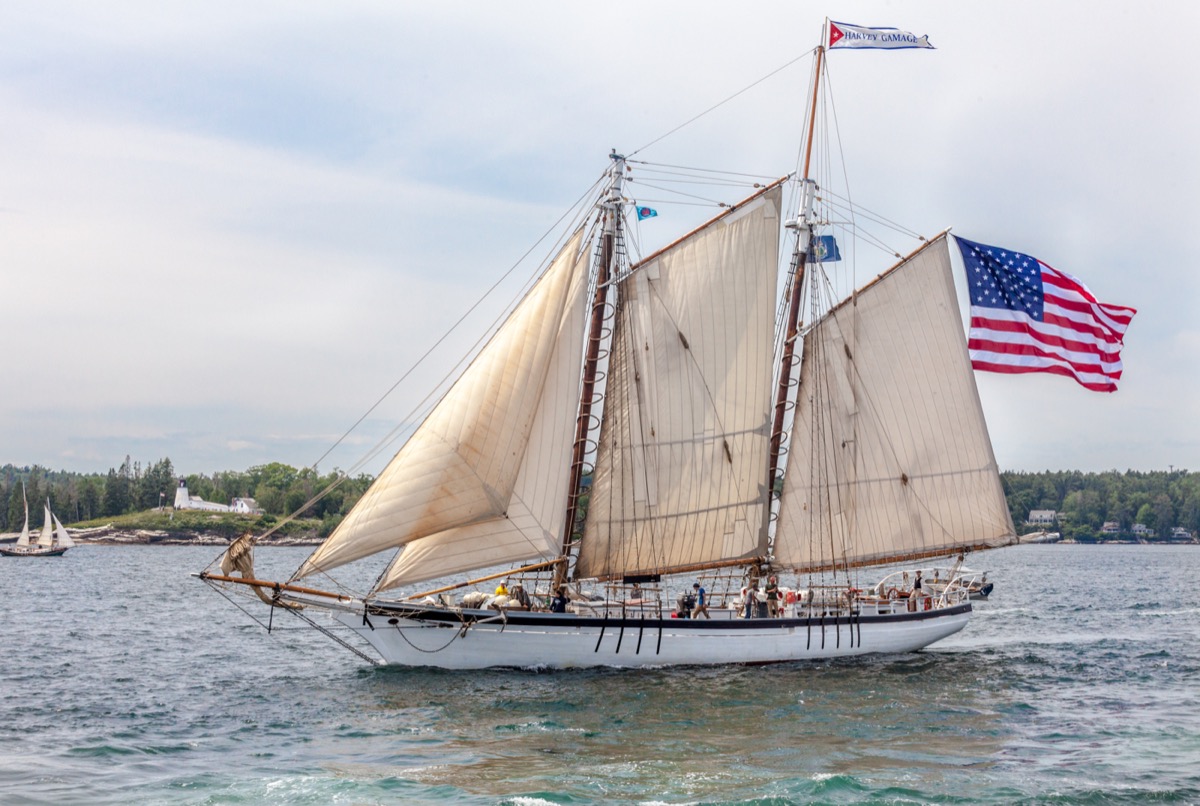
<point>125,681</point>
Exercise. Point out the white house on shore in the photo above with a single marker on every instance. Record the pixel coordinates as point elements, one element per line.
<point>244,506</point>
<point>1042,517</point>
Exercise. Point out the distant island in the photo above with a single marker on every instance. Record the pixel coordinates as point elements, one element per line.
<point>137,503</point>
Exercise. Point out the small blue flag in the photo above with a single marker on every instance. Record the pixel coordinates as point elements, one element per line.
<point>646,212</point>
<point>824,249</point>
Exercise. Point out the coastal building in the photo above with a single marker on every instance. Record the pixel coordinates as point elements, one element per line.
<point>246,506</point>
<point>1142,530</point>
<point>185,501</point>
<point>1043,517</point>
<point>1110,528</point>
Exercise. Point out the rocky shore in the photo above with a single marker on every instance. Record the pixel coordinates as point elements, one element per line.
<point>111,535</point>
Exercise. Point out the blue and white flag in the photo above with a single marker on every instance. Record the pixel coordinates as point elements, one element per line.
<point>824,249</point>
<point>843,36</point>
<point>646,212</point>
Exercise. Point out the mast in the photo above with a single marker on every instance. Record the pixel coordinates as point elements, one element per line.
<point>803,225</point>
<point>604,272</point>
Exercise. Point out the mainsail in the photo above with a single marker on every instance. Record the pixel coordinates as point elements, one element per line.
<point>479,478</point>
<point>889,451</point>
<point>23,540</point>
<point>60,533</point>
<point>681,469</point>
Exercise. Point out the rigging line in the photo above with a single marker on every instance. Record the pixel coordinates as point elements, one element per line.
<point>687,195</point>
<point>702,170</point>
<point>837,200</point>
<point>854,213</point>
<point>721,103</point>
<point>720,183</point>
<point>570,211</point>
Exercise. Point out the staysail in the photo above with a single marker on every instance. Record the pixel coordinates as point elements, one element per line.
<point>889,452</point>
<point>478,475</point>
<point>681,467</point>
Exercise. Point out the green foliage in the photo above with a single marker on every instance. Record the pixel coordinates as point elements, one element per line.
<point>280,490</point>
<point>1158,500</point>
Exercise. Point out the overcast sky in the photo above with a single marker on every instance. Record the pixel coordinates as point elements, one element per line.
<point>227,228</point>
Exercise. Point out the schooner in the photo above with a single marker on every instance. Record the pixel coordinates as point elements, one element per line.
<point>699,418</point>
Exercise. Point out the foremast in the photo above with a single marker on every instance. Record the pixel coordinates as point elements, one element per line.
<point>605,270</point>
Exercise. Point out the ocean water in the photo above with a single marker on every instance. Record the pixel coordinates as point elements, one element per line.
<point>123,680</point>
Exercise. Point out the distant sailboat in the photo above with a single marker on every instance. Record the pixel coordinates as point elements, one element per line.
<point>675,380</point>
<point>53,541</point>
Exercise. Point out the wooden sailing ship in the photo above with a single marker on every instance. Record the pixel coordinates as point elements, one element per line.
<point>636,430</point>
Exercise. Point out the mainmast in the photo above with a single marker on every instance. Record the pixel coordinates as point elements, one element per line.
<point>605,269</point>
<point>803,226</point>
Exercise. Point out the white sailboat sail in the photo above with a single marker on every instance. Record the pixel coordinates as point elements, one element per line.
<point>23,540</point>
<point>889,451</point>
<point>46,539</point>
<point>681,471</point>
<point>61,538</point>
<point>456,479</point>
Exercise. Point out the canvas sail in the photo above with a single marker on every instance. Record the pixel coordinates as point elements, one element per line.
<point>23,540</point>
<point>531,527</point>
<point>681,467</point>
<point>462,465</point>
<point>889,452</point>
<point>60,533</point>
<point>46,538</point>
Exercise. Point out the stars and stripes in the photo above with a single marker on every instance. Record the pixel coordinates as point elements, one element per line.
<point>1029,317</point>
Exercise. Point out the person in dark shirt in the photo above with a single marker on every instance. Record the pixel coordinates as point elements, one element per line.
<point>558,604</point>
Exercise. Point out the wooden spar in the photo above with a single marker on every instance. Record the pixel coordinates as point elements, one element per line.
<point>510,572</point>
<point>685,569</point>
<point>797,287</point>
<point>842,565</point>
<point>276,586</point>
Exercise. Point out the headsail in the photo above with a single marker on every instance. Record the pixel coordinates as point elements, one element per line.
<point>462,478</point>
<point>681,468</point>
<point>890,456</point>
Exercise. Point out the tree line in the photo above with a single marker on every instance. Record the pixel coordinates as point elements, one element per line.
<point>278,489</point>
<point>1160,500</point>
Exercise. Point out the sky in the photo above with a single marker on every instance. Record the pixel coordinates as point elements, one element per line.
<point>227,229</point>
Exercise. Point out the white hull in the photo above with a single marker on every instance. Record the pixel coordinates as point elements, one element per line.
<point>415,636</point>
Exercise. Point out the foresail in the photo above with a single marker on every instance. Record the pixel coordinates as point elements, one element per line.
<point>461,466</point>
<point>889,455</point>
<point>681,468</point>
<point>531,527</point>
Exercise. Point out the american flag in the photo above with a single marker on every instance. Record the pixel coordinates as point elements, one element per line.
<point>1029,317</point>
